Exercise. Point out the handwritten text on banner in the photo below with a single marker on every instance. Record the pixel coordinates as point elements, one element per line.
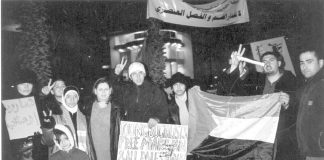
<point>162,142</point>
<point>21,117</point>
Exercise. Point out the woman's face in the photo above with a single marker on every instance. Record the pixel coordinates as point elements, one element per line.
<point>25,89</point>
<point>71,99</point>
<point>102,92</point>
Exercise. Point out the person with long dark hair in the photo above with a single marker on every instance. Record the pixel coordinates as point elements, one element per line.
<point>103,118</point>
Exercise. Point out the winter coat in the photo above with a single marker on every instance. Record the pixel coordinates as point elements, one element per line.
<point>38,150</point>
<point>310,119</point>
<point>6,146</point>
<point>174,115</point>
<point>50,103</point>
<point>81,135</point>
<point>115,118</point>
<point>143,102</point>
<point>73,153</point>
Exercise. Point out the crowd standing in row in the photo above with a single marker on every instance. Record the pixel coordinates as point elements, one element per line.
<point>72,129</point>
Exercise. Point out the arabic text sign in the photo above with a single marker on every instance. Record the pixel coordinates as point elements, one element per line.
<point>162,142</point>
<point>215,14</point>
<point>21,117</point>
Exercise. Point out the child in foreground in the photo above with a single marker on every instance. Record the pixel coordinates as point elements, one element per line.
<point>64,140</point>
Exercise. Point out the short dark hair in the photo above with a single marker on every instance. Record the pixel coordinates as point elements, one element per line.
<point>278,56</point>
<point>316,53</point>
<point>58,133</point>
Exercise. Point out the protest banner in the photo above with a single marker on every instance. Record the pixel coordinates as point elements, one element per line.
<point>21,117</point>
<point>274,44</point>
<point>162,142</point>
<point>215,14</point>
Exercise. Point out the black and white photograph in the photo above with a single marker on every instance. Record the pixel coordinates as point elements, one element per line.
<point>162,80</point>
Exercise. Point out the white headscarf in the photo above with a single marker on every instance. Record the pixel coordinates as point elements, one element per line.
<point>73,109</point>
<point>68,133</point>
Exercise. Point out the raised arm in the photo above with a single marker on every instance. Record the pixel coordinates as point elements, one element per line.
<point>48,124</point>
<point>47,89</point>
<point>235,61</point>
<point>120,67</point>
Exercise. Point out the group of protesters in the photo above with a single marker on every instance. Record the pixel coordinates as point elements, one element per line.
<point>301,120</point>
<point>90,130</point>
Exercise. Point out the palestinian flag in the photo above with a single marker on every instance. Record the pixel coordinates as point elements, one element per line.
<point>225,127</point>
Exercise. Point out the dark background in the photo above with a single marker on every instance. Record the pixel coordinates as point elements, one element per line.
<point>80,31</point>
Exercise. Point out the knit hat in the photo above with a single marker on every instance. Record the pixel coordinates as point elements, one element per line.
<point>24,76</point>
<point>70,89</point>
<point>180,78</point>
<point>134,67</point>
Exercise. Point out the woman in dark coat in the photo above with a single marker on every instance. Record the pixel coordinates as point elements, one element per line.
<point>103,119</point>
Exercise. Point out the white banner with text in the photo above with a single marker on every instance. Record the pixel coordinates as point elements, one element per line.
<point>21,117</point>
<point>163,142</point>
<point>215,14</point>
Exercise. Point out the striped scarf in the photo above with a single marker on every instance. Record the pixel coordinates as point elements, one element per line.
<point>82,136</point>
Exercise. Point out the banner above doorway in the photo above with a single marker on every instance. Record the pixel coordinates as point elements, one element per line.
<point>215,14</point>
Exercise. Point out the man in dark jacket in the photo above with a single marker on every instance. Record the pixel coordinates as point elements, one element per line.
<point>142,100</point>
<point>178,107</point>
<point>24,84</point>
<point>53,96</point>
<point>275,79</point>
<point>310,119</point>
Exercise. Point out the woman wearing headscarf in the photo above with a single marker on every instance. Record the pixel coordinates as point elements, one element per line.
<point>72,117</point>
